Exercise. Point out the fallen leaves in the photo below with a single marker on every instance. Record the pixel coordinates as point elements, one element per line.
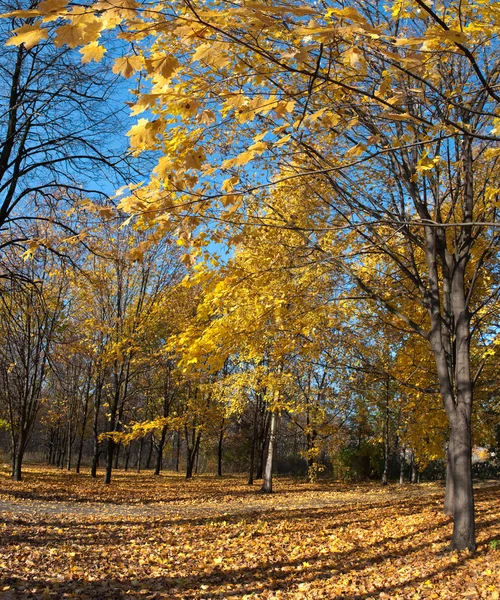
<point>145,537</point>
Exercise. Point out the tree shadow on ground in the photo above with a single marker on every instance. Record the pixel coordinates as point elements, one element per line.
<point>244,581</point>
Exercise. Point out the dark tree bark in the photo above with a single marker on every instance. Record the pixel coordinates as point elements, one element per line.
<point>160,445</point>
<point>139,455</point>
<point>449,491</point>
<point>191,449</point>
<point>150,452</point>
<point>127,458</point>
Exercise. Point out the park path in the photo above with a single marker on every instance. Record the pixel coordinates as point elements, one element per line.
<point>213,509</point>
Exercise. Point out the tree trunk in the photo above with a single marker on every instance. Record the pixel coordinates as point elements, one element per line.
<point>139,455</point>
<point>449,496</point>
<point>117,454</point>
<point>95,461</point>
<point>219,449</point>
<point>402,463</point>
<point>263,438</point>
<point>385,474</point>
<point>84,422</point>
<point>110,450</point>
<point>127,457</point>
<point>252,443</point>
<point>150,452</point>
<point>192,453</point>
<point>159,450</point>
<point>69,447</point>
<point>414,471</point>
<point>95,429</point>
<point>178,453</point>
<point>80,455</point>
<point>17,460</point>
<point>464,535</point>
<point>267,486</point>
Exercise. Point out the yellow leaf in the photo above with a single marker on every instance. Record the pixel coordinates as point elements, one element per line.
<point>189,261</point>
<point>29,35</point>
<point>194,159</point>
<point>164,65</point>
<point>283,140</point>
<point>228,184</point>
<point>51,6</point>
<point>127,66</point>
<point>93,52</point>
<point>258,147</point>
<point>84,31</point>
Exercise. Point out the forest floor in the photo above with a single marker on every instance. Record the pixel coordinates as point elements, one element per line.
<point>64,535</point>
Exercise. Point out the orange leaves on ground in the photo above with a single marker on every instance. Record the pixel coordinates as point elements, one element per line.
<point>142,537</point>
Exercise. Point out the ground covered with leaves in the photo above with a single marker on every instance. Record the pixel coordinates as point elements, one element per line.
<point>66,536</point>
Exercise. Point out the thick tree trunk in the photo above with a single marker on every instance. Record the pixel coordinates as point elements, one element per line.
<point>464,535</point>
<point>450,341</point>
<point>17,461</point>
<point>267,486</point>
<point>18,449</point>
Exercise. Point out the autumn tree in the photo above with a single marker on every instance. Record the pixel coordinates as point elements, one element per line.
<point>31,323</point>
